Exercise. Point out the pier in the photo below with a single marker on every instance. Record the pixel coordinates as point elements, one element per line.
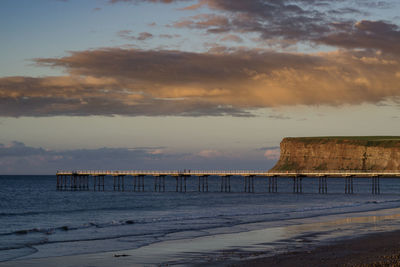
<point>80,180</point>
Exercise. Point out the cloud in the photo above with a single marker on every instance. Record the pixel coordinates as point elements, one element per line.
<point>290,22</point>
<point>209,153</point>
<point>150,1</point>
<point>279,117</point>
<point>128,35</point>
<point>272,154</point>
<point>379,35</point>
<point>169,36</point>
<point>225,80</point>
<point>161,82</point>
<point>17,158</point>
<point>232,38</point>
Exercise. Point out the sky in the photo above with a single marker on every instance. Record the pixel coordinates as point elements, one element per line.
<point>190,84</point>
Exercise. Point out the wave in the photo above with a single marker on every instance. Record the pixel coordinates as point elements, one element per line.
<point>229,218</point>
<point>30,213</point>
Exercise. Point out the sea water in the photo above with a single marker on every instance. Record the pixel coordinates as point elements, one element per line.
<point>37,221</point>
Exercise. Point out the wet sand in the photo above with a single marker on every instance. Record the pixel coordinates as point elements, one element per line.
<point>381,249</point>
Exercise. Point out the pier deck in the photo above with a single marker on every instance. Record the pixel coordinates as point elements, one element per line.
<point>336,174</point>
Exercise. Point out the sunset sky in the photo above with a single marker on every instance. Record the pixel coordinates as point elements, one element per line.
<point>190,84</point>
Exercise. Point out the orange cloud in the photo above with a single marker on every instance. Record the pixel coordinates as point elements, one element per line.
<point>272,154</point>
<point>154,83</point>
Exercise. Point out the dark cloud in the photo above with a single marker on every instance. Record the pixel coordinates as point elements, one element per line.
<point>267,148</point>
<point>375,4</point>
<point>379,35</point>
<point>279,117</point>
<point>169,36</point>
<point>289,22</point>
<point>17,149</point>
<point>296,20</point>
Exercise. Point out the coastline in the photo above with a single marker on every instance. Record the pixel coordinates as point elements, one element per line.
<point>334,240</point>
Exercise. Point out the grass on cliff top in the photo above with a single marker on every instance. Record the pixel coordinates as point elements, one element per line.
<point>384,141</point>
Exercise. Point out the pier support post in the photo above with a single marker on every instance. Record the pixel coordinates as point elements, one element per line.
<point>121,182</point>
<point>203,183</point>
<point>322,185</point>
<point>63,178</point>
<point>200,178</point>
<point>348,189</point>
<point>226,183</point>
<point>142,182</point>
<point>97,182</point>
<point>75,182</point>
<point>269,184</point>
<point>272,184</point>
<point>249,184</point>
<point>181,183</point>
<point>178,183</point>
<point>375,185</point>
<point>134,183</point>
<point>297,185</point>
<point>159,183</point>
<point>138,183</point>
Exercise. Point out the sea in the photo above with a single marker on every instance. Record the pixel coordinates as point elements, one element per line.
<point>38,221</point>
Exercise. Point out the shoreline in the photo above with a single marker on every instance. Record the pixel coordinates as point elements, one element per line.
<point>375,249</point>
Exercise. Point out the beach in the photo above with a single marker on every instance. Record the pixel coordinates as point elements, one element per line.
<point>373,250</point>
<point>381,249</point>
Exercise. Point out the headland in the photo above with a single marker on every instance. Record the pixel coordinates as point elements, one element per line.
<point>339,153</point>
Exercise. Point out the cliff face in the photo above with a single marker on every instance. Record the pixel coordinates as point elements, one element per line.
<point>339,153</point>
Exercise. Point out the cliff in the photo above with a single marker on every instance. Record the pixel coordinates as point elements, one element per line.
<point>367,153</point>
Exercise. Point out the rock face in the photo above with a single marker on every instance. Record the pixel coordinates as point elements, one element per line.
<point>373,153</point>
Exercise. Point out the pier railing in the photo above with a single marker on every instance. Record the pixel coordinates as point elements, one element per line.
<point>309,173</point>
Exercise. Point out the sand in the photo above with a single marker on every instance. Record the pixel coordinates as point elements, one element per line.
<point>372,250</point>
